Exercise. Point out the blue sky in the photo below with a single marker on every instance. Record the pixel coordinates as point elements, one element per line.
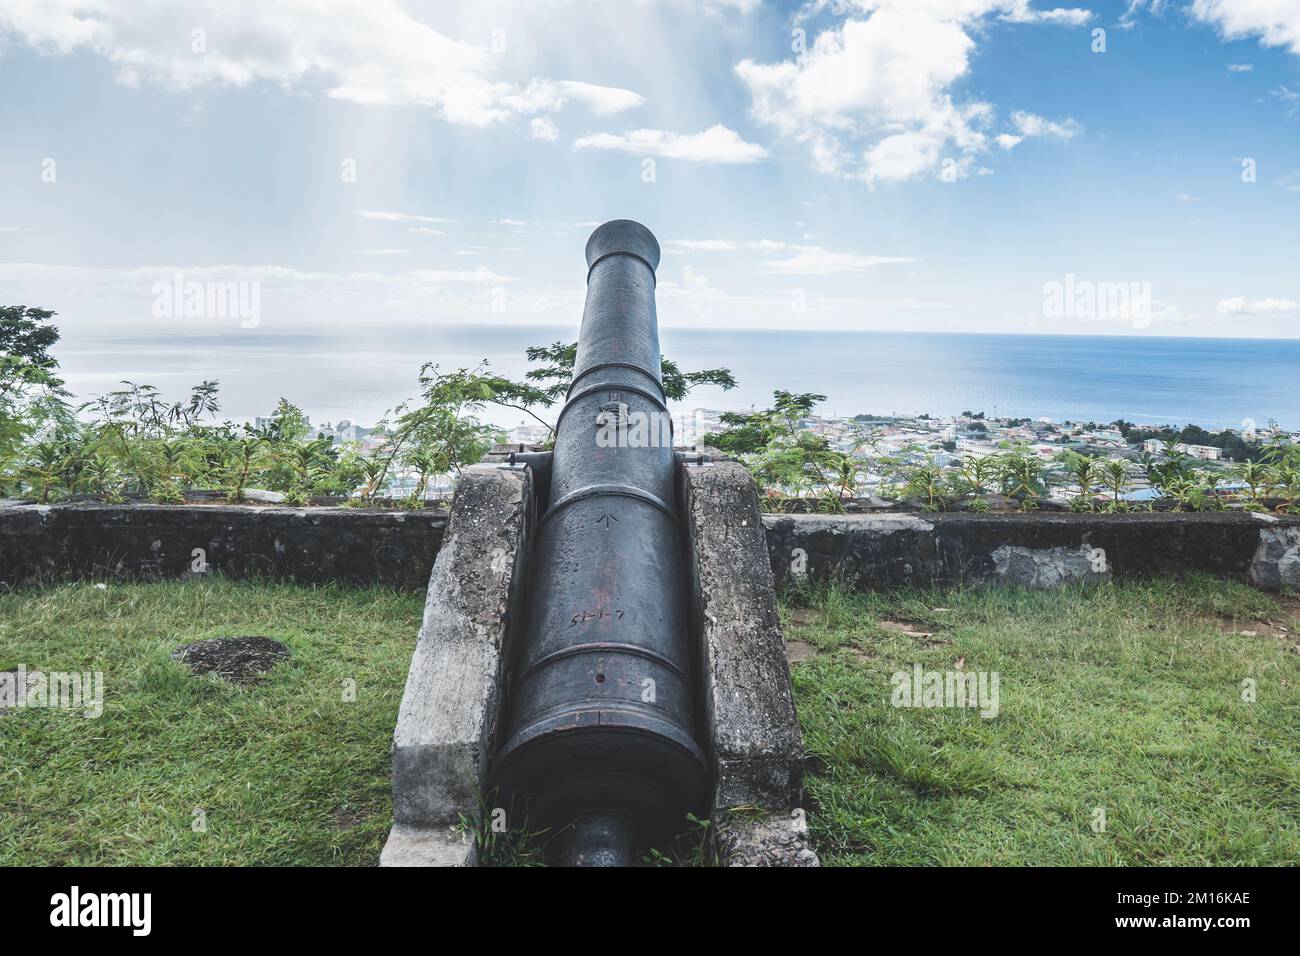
<point>369,167</point>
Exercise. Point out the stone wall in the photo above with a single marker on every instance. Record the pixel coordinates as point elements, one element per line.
<point>153,542</point>
<point>397,548</point>
<point>1033,550</point>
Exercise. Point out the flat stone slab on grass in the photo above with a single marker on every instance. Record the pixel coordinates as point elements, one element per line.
<point>236,660</point>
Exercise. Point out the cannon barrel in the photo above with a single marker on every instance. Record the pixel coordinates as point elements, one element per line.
<point>600,730</point>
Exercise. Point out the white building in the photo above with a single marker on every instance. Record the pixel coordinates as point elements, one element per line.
<point>1203,452</point>
<point>528,433</point>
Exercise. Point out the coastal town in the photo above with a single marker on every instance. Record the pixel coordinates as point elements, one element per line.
<point>880,445</point>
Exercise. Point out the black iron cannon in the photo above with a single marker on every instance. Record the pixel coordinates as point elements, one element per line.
<point>600,733</point>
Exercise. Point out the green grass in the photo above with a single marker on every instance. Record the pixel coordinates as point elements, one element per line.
<point>1123,696</point>
<point>285,771</point>
<point>1126,697</point>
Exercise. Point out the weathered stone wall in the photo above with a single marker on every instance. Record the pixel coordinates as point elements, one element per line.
<point>1032,550</point>
<point>867,551</point>
<point>152,542</point>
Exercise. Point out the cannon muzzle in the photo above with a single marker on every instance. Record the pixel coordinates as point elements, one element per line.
<point>601,719</point>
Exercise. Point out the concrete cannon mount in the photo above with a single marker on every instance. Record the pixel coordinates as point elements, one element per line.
<point>448,727</point>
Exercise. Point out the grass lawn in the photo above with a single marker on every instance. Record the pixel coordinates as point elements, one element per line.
<point>1123,697</point>
<point>285,772</point>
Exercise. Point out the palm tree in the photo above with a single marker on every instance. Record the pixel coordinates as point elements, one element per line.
<point>1084,471</point>
<point>375,470</point>
<point>45,469</point>
<point>1115,474</point>
<point>979,472</point>
<point>1256,476</point>
<point>426,464</point>
<point>1021,475</point>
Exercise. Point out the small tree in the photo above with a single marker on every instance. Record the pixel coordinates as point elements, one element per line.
<point>31,393</point>
<point>1084,471</point>
<point>783,456</point>
<point>443,427</point>
<point>1020,474</point>
<point>548,384</point>
<point>1115,475</point>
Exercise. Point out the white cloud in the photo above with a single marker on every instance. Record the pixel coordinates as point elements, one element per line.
<point>383,252</point>
<point>556,94</point>
<point>1241,67</point>
<point>1240,305</point>
<point>700,245</point>
<point>740,6</point>
<point>543,129</point>
<point>872,97</point>
<point>1129,19</point>
<point>1031,125</point>
<point>816,261</point>
<point>693,280</point>
<point>1021,12</point>
<point>1290,99</point>
<point>1274,22</point>
<point>397,216</point>
<point>798,259</point>
<point>363,51</point>
<point>1185,199</point>
<point>717,144</point>
<point>119,300</point>
<point>481,274</point>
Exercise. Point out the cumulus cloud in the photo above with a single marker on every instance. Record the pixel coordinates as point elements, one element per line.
<point>1029,125</point>
<point>555,95</point>
<point>1273,22</point>
<point>871,98</point>
<point>1240,305</point>
<point>543,129</point>
<point>717,144</point>
<point>363,51</point>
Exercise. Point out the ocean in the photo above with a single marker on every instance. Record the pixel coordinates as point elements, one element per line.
<point>1211,382</point>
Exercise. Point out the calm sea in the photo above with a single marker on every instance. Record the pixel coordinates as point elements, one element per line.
<point>1212,382</point>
